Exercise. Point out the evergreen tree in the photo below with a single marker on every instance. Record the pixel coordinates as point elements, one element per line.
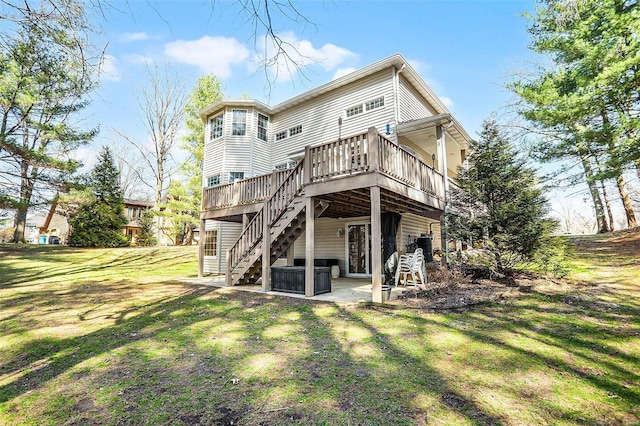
<point>145,234</point>
<point>99,223</point>
<point>590,90</point>
<point>498,201</point>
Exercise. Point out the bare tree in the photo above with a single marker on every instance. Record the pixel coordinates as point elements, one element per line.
<point>162,103</point>
<point>132,171</point>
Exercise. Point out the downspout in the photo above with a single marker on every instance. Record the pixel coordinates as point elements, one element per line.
<point>396,96</point>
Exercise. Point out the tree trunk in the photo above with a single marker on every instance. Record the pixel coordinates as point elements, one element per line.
<point>26,189</point>
<point>595,195</point>
<point>607,203</point>
<point>626,201</point>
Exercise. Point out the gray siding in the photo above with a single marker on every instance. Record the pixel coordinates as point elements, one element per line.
<point>412,106</point>
<point>319,117</point>
<point>228,233</point>
<point>412,226</point>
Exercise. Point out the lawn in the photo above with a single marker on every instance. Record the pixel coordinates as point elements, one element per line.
<point>111,337</point>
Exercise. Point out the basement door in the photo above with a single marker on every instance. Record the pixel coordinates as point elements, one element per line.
<point>358,250</point>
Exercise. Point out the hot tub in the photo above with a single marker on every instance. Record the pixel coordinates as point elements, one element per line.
<point>290,279</point>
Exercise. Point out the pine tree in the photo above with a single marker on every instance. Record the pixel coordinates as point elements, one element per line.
<point>99,223</point>
<point>498,201</point>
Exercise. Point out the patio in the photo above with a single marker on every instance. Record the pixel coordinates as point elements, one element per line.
<point>343,290</point>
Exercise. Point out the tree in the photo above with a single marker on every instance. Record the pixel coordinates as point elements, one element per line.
<point>185,199</point>
<point>162,103</point>
<point>42,87</point>
<point>591,90</point>
<point>100,222</point>
<point>145,234</point>
<point>498,201</point>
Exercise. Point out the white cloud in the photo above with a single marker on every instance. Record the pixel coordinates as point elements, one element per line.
<point>341,72</point>
<point>419,66</point>
<point>211,54</point>
<point>139,59</point>
<point>446,101</point>
<point>108,68</point>
<point>129,37</point>
<point>300,53</point>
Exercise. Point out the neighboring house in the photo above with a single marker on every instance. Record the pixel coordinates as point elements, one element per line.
<point>133,210</point>
<point>310,177</point>
<point>56,223</point>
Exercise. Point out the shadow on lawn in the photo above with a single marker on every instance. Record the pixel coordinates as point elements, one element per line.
<point>45,353</point>
<point>370,379</point>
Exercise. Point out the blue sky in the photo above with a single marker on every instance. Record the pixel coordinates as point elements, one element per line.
<point>465,50</point>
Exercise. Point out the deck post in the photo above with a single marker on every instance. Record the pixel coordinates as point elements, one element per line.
<point>307,165</point>
<point>309,273</point>
<point>442,165</point>
<point>290,255</point>
<point>228,275</point>
<point>201,248</point>
<point>374,150</point>
<point>376,244</point>
<point>266,251</point>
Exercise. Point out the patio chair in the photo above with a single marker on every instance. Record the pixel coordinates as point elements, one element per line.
<point>414,265</point>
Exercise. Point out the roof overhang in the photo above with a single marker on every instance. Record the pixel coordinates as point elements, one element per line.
<point>397,61</point>
<point>446,120</point>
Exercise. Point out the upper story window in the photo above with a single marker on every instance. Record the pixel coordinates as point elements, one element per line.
<point>216,126</point>
<point>239,122</point>
<point>292,131</point>
<point>286,166</point>
<point>355,110</point>
<point>233,176</point>
<point>263,122</point>
<point>364,107</point>
<point>213,181</point>
<point>374,104</point>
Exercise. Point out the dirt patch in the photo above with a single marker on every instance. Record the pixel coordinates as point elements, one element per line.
<point>463,291</point>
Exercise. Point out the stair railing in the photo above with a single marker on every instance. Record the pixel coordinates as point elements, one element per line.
<point>275,206</point>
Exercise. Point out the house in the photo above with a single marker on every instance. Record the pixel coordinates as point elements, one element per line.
<point>56,223</point>
<point>133,210</point>
<point>311,177</point>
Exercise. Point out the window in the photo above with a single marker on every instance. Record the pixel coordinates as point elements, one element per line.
<point>350,112</point>
<point>211,242</point>
<point>233,176</point>
<point>213,181</point>
<point>286,166</point>
<point>374,104</point>
<point>281,135</point>
<point>216,126</point>
<point>295,130</point>
<point>366,106</point>
<point>239,122</point>
<point>263,122</point>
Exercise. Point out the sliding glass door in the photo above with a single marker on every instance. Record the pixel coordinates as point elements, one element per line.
<point>358,249</point>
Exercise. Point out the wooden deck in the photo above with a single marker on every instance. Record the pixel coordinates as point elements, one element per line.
<point>341,172</point>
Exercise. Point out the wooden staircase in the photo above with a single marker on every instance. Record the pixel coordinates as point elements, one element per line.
<point>285,215</point>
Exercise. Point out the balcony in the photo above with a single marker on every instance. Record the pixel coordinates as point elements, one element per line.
<point>338,171</point>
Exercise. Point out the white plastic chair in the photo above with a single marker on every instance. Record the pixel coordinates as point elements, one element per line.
<point>412,265</point>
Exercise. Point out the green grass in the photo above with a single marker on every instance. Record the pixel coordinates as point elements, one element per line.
<point>110,337</point>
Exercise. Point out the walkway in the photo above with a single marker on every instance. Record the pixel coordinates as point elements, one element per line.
<point>343,290</point>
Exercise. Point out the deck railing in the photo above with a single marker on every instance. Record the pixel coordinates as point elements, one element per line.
<point>245,191</point>
<point>275,206</point>
<point>362,153</point>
